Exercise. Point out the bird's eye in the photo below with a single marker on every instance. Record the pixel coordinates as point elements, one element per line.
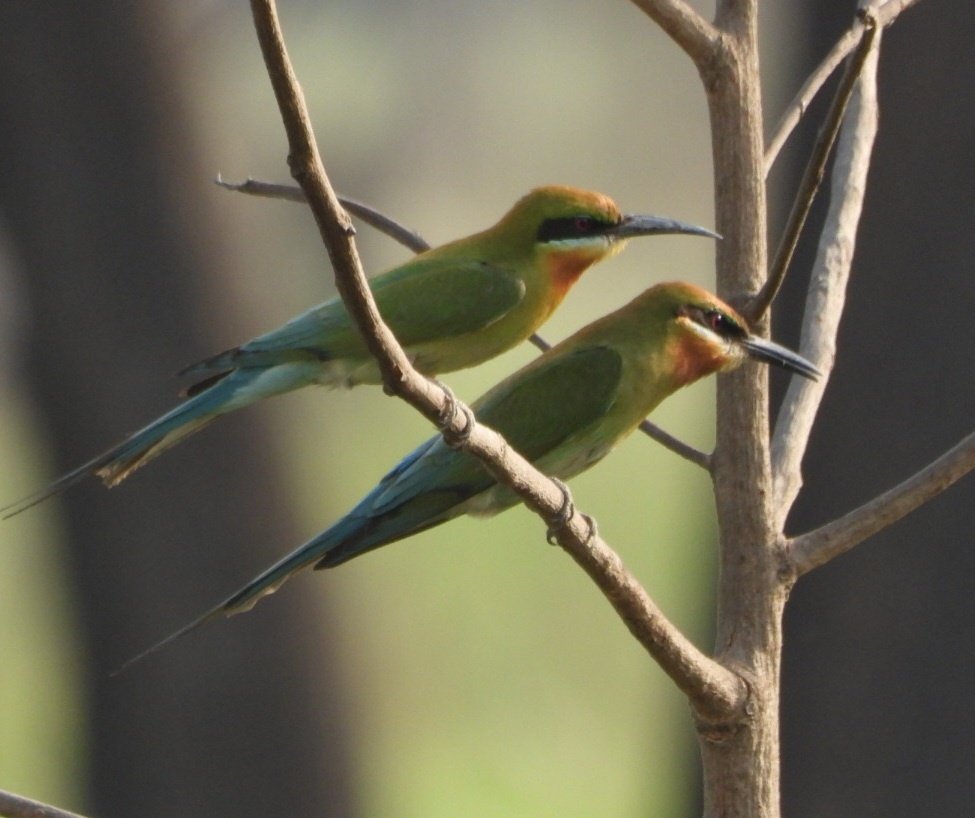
<point>722,324</point>
<point>716,321</point>
<point>584,224</point>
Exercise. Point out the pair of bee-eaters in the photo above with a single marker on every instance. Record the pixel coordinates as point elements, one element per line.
<point>453,307</point>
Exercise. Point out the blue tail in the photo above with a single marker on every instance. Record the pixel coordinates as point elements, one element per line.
<point>267,582</point>
<point>426,488</point>
<point>361,530</point>
<point>423,491</point>
<point>237,389</point>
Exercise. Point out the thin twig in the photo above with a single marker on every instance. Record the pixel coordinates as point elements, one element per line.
<point>885,14</point>
<point>827,287</point>
<point>415,242</point>
<point>676,445</point>
<point>813,176</point>
<point>267,190</point>
<point>818,547</point>
<point>375,218</point>
<point>712,688</point>
<point>16,806</point>
<point>695,35</point>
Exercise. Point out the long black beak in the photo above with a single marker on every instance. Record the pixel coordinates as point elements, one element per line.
<point>770,352</point>
<point>631,226</point>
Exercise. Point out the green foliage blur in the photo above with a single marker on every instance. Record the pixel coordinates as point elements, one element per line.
<point>486,674</point>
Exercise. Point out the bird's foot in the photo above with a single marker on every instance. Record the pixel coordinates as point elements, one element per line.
<point>565,514</point>
<point>445,420</point>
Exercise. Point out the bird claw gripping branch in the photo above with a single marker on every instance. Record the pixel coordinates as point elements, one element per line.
<point>564,516</point>
<point>449,411</point>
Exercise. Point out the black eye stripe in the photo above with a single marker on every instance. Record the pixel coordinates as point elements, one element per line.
<point>716,321</point>
<point>572,227</point>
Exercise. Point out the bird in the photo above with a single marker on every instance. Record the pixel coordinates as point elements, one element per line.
<point>451,307</point>
<point>564,412</point>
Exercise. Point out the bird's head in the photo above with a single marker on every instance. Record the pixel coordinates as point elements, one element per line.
<point>572,229</point>
<point>705,335</point>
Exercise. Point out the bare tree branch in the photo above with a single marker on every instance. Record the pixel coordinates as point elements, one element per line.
<point>268,190</point>
<point>712,688</point>
<point>812,178</point>
<point>885,14</point>
<point>713,691</point>
<point>818,547</point>
<point>740,760</point>
<point>374,218</point>
<point>16,806</point>
<point>827,287</point>
<point>676,445</point>
<point>415,242</point>
<point>695,35</point>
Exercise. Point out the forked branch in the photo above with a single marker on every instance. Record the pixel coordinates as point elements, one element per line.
<point>712,688</point>
<point>695,35</point>
<point>823,309</point>
<point>884,14</point>
<point>818,547</point>
<point>827,287</point>
<point>813,176</point>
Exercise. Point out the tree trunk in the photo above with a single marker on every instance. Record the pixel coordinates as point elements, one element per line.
<point>95,168</point>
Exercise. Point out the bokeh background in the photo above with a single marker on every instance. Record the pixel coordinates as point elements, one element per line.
<point>472,669</point>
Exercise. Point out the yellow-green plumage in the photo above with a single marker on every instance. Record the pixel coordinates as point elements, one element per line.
<point>564,412</point>
<point>452,307</point>
<point>456,305</point>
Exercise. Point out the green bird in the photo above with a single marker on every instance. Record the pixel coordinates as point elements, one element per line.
<point>451,307</point>
<point>564,412</point>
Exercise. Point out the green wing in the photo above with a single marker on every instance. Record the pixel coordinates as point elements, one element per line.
<point>554,400</point>
<point>421,301</point>
<point>446,299</point>
<point>537,410</point>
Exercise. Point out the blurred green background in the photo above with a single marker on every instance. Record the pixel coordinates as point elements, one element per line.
<point>481,672</point>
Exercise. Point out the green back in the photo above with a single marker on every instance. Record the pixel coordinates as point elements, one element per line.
<point>422,301</point>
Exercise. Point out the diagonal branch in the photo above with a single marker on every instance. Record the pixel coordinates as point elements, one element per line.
<point>415,242</point>
<point>676,445</point>
<point>885,14</point>
<point>16,806</point>
<point>812,178</point>
<point>695,35</point>
<point>374,218</point>
<point>818,547</point>
<point>712,688</point>
<point>827,287</point>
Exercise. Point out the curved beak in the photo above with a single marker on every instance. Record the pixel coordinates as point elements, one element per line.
<point>770,352</point>
<point>636,225</point>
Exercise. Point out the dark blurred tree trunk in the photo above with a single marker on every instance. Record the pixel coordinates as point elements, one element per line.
<point>879,650</point>
<point>96,185</point>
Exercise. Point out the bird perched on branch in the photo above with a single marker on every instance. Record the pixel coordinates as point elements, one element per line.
<point>564,412</point>
<point>451,307</point>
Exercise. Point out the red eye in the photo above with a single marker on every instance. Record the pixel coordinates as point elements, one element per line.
<point>582,224</point>
<point>722,324</point>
